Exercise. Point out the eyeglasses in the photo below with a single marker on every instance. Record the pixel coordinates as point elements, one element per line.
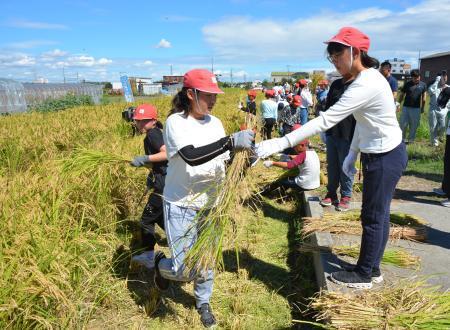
<point>334,57</point>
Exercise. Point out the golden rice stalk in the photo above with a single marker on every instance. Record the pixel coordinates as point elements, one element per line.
<point>311,225</point>
<point>396,257</point>
<point>408,304</point>
<point>83,161</point>
<point>399,218</point>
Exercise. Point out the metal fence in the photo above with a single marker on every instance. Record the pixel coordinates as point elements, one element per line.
<point>16,96</point>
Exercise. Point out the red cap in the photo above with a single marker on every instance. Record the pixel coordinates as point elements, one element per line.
<point>297,85</point>
<point>297,101</point>
<point>145,111</point>
<point>303,82</point>
<point>202,80</point>
<point>350,36</point>
<point>296,126</point>
<point>252,92</point>
<point>270,93</point>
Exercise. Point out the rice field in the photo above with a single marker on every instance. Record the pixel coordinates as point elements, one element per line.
<point>67,231</point>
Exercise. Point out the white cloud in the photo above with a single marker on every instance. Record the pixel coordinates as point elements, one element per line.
<point>104,61</point>
<point>423,26</point>
<point>163,44</point>
<point>54,53</point>
<point>16,60</point>
<point>25,24</point>
<point>148,62</point>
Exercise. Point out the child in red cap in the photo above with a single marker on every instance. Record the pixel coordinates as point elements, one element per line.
<point>146,121</point>
<point>197,150</point>
<point>377,136</point>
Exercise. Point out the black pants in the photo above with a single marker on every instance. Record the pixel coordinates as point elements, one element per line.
<point>446,179</point>
<point>267,129</point>
<point>381,174</point>
<point>153,213</point>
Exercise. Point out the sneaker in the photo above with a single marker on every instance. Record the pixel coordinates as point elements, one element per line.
<point>446,203</point>
<point>376,275</point>
<point>329,199</point>
<point>344,204</point>
<point>161,283</point>
<point>439,191</point>
<point>146,259</point>
<point>351,279</point>
<point>206,316</point>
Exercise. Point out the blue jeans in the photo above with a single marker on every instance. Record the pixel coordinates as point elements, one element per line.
<point>181,230</point>
<point>337,150</point>
<point>303,116</point>
<point>381,174</point>
<point>410,117</point>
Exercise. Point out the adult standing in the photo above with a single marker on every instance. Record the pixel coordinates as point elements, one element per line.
<point>197,149</point>
<point>307,100</point>
<point>437,114</point>
<point>385,69</point>
<point>413,93</point>
<point>377,136</point>
<point>269,113</point>
<point>338,140</point>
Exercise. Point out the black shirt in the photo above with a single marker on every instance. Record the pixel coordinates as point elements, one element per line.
<point>152,145</point>
<point>345,128</point>
<point>413,93</point>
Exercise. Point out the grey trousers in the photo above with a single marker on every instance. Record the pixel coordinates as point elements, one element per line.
<point>410,117</point>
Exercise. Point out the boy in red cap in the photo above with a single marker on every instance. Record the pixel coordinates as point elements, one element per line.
<point>308,164</point>
<point>290,115</point>
<point>146,121</point>
<point>377,136</point>
<point>307,100</point>
<point>197,150</point>
<point>250,106</point>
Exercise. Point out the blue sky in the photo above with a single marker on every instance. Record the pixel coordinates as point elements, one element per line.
<point>97,40</point>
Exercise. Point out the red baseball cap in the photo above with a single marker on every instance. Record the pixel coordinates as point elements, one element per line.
<point>297,101</point>
<point>270,93</point>
<point>349,36</point>
<point>296,126</point>
<point>252,92</point>
<point>145,111</point>
<point>303,82</point>
<point>202,80</point>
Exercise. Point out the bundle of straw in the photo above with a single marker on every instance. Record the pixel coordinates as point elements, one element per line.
<point>206,253</point>
<point>312,225</point>
<point>83,161</point>
<point>405,305</point>
<point>396,257</point>
<point>399,218</point>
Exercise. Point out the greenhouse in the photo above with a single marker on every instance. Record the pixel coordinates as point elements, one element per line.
<point>17,97</point>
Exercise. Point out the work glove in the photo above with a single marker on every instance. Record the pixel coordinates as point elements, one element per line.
<point>268,163</point>
<point>139,161</point>
<point>268,147</point>
<point>243,139</point>
<point>348,167</point>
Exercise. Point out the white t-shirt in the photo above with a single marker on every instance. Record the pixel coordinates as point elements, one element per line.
<point>309,171</point>
<point>369,99</point>
<point>192,186</point>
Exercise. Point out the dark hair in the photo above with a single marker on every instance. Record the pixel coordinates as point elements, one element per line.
<point>415,73</point>
<point>386,63</point>
<point>159,125</point>
<point>180,103</point>
<point>366,60</point>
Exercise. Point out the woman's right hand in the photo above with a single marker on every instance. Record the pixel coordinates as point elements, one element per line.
<point>243,139</point>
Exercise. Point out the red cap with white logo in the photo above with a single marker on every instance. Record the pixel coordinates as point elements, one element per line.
<point>145,111</point>
<point>202,80</point>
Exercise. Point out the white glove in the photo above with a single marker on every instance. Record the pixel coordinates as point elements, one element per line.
<point>268,147</point>
<point>268,163</point>
<point>348,167</point>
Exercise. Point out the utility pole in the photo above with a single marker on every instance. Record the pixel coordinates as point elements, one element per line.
<point>171,71</point>
<point>245,78</point>
<point>77,78</point>
<point>212,64</point>
<point>64,76</point>
<point>231,76</point>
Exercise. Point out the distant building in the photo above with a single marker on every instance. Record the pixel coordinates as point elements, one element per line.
<point>400,69</point>
<point>277,77</point>
<point>172,80</point>
<point>432,65</point>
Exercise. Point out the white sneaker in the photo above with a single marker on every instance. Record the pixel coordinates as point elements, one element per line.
<point>439,191</point>
<point>146,259</point>
<point>446,203</point>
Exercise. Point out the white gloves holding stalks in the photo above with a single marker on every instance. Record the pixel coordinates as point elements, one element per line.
<point>348,167</point>
<point>268,163</point>
<point>269,147</point>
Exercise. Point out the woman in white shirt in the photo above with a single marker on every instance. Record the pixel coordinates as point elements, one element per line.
<point>377,136</point>
<point>197,149</point>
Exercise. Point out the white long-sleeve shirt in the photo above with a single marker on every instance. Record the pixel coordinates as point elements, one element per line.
<point>306,96</point>
<point>369,100</point>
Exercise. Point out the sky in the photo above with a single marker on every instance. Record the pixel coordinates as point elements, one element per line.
<point>100,40</point>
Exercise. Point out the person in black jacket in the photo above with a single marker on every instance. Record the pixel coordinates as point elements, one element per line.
<point>146,118</point>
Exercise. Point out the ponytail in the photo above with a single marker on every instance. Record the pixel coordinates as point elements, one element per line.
<point>181,103</point>
<point>369,62</point>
